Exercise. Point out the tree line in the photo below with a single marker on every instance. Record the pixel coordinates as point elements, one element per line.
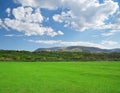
<point>45,56</point>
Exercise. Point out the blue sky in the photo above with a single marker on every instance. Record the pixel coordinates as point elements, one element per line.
<point>31,24</point>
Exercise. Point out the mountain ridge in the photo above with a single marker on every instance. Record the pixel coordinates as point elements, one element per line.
<point>78,49</point>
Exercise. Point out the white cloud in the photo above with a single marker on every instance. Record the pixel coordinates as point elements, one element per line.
<point>60,32</point>
<point>29,21</point>
<point>86,14</point>
<point>47,19</point>
<point>8,11</point>
<point>2,25</point>
<point>30,28</point>
<point>110,33</point>
<point>81,43</point>
<point>0,22</point>
<point>27,15</point>
<point>12,35</point>
<point>48,42</point>
<point>26,2</point>
<point>117,18</point>
<point>48,4</point>
<point>9,35</point>
<point>52,33</point>
<point>67,43</point>
<point>109,43</point>
<point>57,18</point>
<point>114,26</point>
<point>105,44</point>
<point>107,34</point>
<point>81,15</point>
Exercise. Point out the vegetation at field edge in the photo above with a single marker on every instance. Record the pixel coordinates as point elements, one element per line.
<point>46,56</point>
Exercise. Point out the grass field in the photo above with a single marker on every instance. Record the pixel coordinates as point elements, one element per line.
<point>82,77</point>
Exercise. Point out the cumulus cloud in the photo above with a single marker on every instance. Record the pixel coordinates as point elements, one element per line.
<point>80,15</point>
<point>30,28</point>
<point>8,11</point>
<point>27,15</point>
<point>115,25</point>
<point>26,2</point>
<point>48,4</point>
<point>57,18</point>
<point>86,14</point>
<point>29,21</point>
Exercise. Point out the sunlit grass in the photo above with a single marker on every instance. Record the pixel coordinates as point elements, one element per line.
<point>61,77</point>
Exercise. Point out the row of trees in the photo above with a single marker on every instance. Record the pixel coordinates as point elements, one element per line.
<point>44,56</point>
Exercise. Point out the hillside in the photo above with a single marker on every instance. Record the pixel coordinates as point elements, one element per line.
<point>78,49</point>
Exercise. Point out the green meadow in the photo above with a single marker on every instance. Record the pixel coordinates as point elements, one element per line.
<point>59,77</point>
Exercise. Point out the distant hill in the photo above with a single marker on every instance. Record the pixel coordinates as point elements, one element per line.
<point>78,49</point>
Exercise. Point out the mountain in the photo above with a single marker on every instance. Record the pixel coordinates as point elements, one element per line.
<point>78,49</point>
